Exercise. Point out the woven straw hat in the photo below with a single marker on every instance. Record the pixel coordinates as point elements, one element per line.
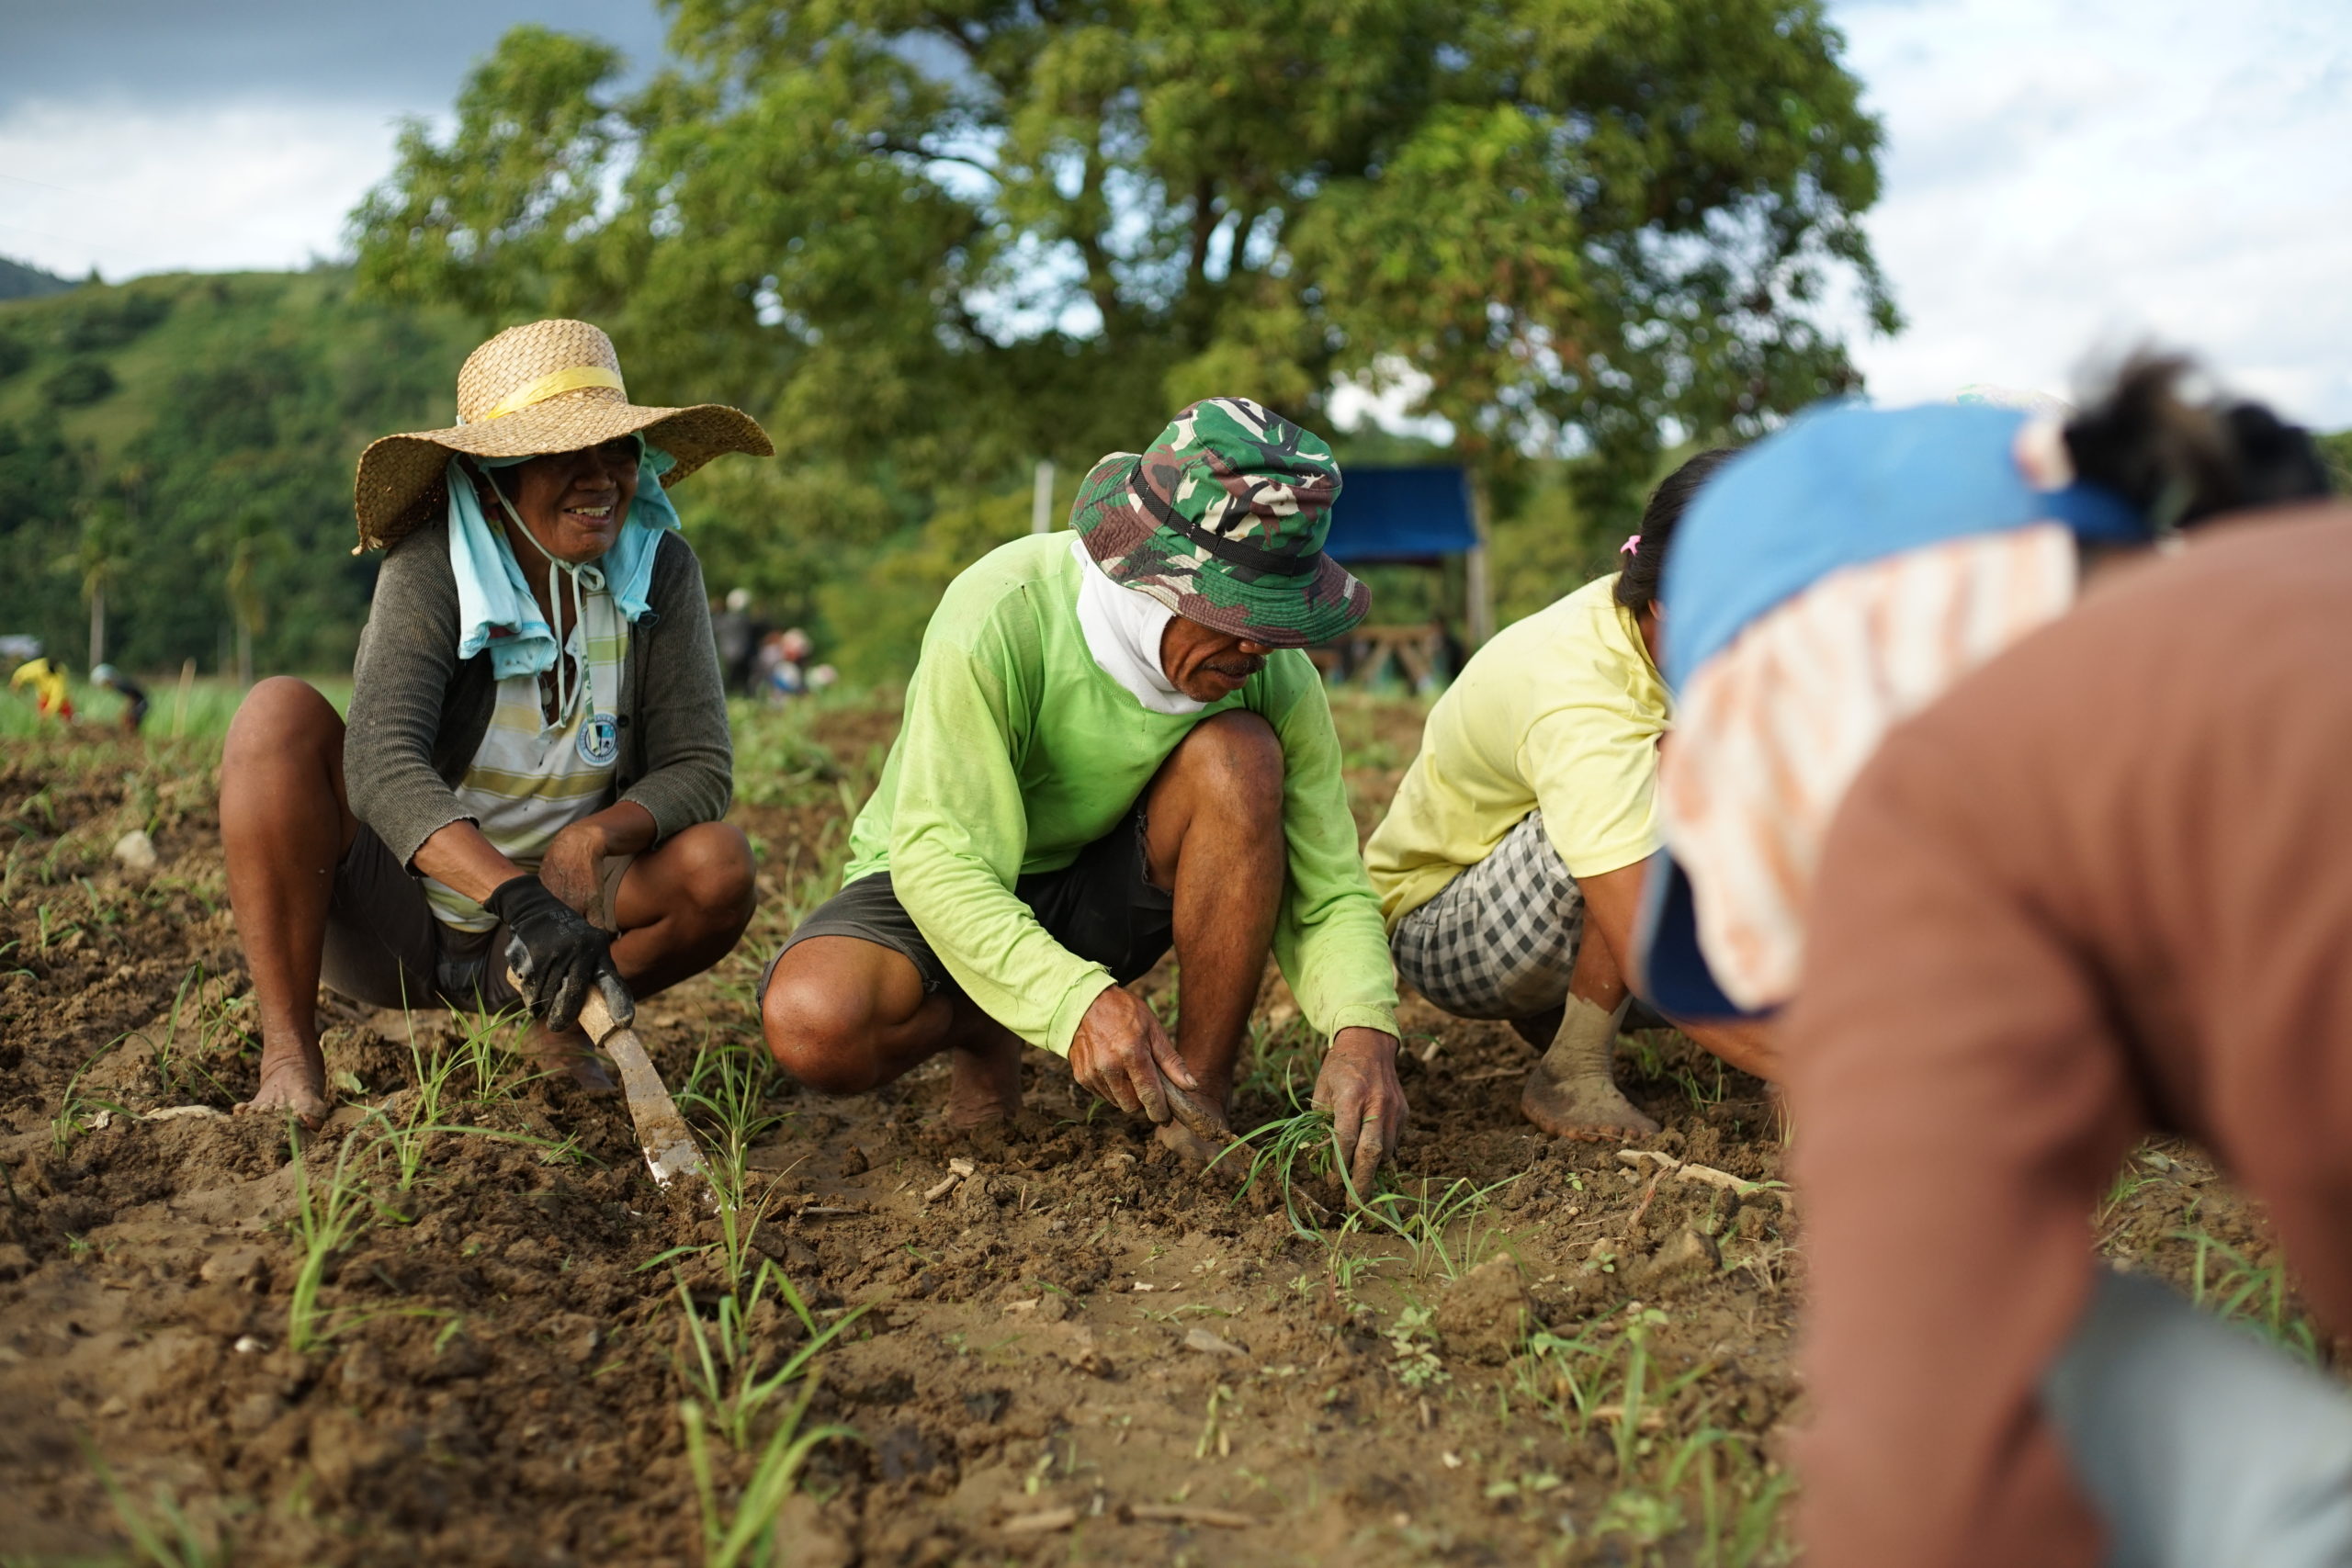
<point>542,388</point>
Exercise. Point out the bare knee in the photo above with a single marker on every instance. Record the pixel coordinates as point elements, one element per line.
<point>713,866</point>
<point>819,1029</point>
<point>1233,762</point>
<point>281,719</point>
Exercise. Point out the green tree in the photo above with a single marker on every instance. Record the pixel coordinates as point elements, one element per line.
<point>929,243</point>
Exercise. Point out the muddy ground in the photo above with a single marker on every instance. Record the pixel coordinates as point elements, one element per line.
<point>463,1326</point>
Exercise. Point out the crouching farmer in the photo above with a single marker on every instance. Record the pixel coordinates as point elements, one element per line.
<point>1111,744</point>
<point>1510,863</point>
<point>537,754</point>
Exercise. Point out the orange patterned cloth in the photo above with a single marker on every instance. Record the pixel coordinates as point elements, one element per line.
<point>1772,729</point>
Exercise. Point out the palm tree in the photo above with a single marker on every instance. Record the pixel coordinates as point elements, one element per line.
<point>241,546</point>
<point>97,560</point>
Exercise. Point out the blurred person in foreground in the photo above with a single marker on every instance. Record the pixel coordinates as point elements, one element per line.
<point>1113,743</point>
<point>538,756</point>
<point>1509,863</point>
<point>2078,816</point>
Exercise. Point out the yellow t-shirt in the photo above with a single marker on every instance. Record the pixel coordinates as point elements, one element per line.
<point>1563,711</point>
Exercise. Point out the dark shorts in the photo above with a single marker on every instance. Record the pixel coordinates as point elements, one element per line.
<point>385,949</point>
<point>1102,906</point>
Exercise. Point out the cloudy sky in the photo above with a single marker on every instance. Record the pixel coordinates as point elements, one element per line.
<point>2062,175</point>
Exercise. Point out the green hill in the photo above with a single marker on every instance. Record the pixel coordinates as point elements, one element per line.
<point>180,436</point>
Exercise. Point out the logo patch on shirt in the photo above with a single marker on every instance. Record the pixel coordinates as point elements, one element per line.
<point>600,740</point>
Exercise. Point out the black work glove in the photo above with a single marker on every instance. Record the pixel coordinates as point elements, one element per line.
<point>557,954</point>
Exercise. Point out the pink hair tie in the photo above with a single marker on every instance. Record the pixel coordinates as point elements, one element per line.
<point>1632,542</point>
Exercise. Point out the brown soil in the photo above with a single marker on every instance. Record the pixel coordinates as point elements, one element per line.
<point>1053,1353</point>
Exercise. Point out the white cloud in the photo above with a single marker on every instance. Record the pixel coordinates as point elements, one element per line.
<point>2068,177</point>
<point>189,187</point>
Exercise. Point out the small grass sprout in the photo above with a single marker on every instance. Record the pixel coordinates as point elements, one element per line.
<point>76,1111</point>
<point>749,1535</point>
<point>184,1546</point>
<point>1412,1341</point>
<point>2232,1285</point>
<point>725,1371</point>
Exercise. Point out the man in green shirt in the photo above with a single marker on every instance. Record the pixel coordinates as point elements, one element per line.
<point>1112,743</point>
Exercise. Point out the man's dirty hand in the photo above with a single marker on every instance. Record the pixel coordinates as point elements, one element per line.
<point>1359,1086</point>
<point>572,868</point>
<point>1122,1054</point>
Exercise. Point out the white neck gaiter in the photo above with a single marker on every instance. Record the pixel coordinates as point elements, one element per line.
<point>1123,629</point>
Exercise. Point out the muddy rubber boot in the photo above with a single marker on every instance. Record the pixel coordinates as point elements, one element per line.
<point>1570,1094</point>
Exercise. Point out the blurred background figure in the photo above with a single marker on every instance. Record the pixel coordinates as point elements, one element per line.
<point>45,678</point>
<point>134,697</point>
<point>738,638</point>
<point>782,672</point>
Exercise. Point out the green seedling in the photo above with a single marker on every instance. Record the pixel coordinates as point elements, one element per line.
<point>326,1220</point>
<point>726,1095</point>
<point>1275,1055</point>
<point>75,1109</point>
<point>1615,1378</point>
<point>1426,1225</point>
<point>750,1536</point>
<point>1346,1267</point>
<point>183,1547</point>
<point>1703,1096</point>
<point>1287,1151</point>
<point>1412,1339</point>
<point>181,1074</point>
<point>1213,1437</point>
<point>1740,1504</point>
<point>328,1217</point>
<point>2239,1288</point>
<point>725,1372</point>
<point>492,1049</point>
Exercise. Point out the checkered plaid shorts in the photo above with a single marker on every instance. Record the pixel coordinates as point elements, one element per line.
<point>1500,941</point>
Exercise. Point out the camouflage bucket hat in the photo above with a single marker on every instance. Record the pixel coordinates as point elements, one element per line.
<point>1223,521</point>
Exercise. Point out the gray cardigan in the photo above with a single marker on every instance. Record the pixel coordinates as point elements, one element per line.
<point>418,713</point>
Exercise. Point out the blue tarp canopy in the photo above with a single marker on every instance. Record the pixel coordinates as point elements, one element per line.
<point>1402,515</point>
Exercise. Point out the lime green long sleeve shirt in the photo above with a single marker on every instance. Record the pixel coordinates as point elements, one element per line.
<point>1017,751</point>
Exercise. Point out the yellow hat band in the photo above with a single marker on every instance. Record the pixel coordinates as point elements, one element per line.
<point>553,384</point>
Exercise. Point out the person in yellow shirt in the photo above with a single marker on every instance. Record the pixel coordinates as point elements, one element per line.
<point>1523,826</point>
<point>50,697</point>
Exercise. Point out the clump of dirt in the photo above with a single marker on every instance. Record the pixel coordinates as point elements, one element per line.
<point>461,1323</point>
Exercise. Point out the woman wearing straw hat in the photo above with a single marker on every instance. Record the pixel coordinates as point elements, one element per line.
<point>538,756</point>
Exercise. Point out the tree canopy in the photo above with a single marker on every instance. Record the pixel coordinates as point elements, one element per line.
<point>930,243</point>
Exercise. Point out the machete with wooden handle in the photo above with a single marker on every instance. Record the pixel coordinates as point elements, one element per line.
<point>669,1149</point>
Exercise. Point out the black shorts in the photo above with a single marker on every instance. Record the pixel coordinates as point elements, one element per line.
<point>1102,906</point>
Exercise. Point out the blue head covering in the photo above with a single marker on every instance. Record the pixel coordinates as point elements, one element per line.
<point>1845,484</point>
<point>1842,485</point>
